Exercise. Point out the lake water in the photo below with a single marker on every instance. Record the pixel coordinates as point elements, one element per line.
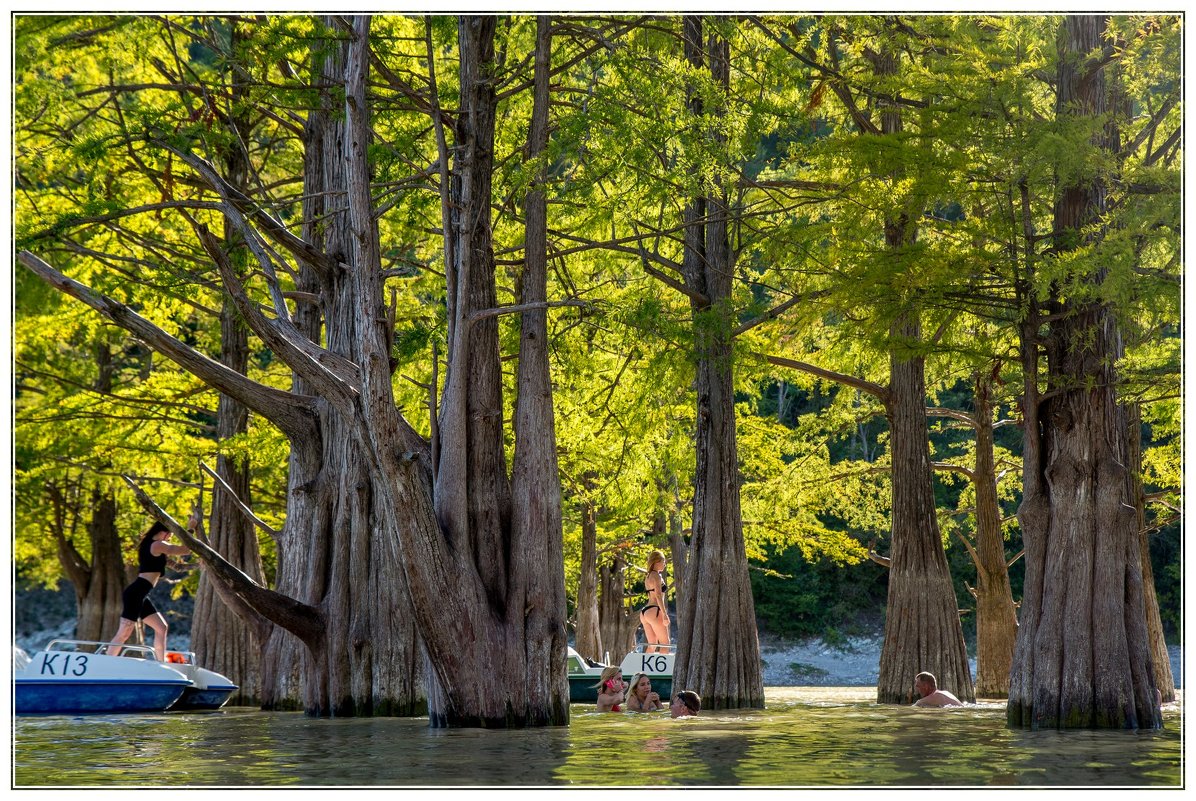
<point>807,736</point>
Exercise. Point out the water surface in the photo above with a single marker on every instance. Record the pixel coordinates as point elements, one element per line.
<point>807,736</point>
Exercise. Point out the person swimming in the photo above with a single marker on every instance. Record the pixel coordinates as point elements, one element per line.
<point>610,689</point>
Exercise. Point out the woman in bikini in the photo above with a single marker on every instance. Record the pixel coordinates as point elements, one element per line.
<point>654,615</point>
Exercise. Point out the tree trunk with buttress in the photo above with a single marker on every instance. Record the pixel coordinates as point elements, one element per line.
<point>334,553</point>
<point>922,629</point>
<point>718,650</point>
<point>1083,657</point>
<point>100,581</point>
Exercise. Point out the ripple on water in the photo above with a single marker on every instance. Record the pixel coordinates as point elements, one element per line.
<point>806,736</point>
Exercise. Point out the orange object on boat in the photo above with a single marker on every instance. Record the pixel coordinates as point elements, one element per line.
<point>176,658</point>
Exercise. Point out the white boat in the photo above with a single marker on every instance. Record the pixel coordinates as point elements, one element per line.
<point>657,666</point>
<point>74,676</point>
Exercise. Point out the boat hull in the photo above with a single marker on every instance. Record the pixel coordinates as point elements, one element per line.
<point>48,697</point>
<point>80,677</point>
<point>209,689</point>
<point>195,699</point>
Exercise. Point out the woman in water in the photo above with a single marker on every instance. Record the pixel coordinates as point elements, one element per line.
<point>135,603</point>
<point>640,697</point>
<point>610,689</point>
<point>654,615</point>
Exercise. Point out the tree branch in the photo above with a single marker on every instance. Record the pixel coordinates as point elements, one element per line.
<point>883,561</point>
<point>669,280</point>
<point>953,468</point>
<point>304,621</point>
<point>319,261</point>
<point>876,390</point>
<point>954,414</point>
<point>335,377</point>
<point>777,311</point>
<point>294,414</point>
<point>523,307</point>
<point>971,549</point>
<point>245,510</point>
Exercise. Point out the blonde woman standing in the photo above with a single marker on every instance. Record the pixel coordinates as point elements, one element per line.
<point>654,615</point>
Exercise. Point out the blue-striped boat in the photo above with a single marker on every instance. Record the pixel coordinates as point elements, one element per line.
<point>79,676</point>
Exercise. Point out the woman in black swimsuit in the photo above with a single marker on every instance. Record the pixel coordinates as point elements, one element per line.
<point>136,605</point>
<point>655,614</point>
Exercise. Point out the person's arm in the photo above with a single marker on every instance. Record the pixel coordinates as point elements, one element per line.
<point>159,548</point>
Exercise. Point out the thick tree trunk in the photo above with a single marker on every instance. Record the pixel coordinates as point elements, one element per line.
<point>589,634</point>
<point>996,614</point>
<point>538,577</point>
<point>922,630</point>
<point>486,581</point>
<point>1161,660</point>
<point>335,552</point>
<point>718,651</point>
<point>1084,659</point>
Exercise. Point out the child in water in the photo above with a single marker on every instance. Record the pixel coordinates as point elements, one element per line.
<point>610,689</point>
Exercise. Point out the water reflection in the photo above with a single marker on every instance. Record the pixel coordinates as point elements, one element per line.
<point>806,737</point>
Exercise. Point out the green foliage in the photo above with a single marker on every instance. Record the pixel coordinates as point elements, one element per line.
<point>802,597</point>
<point>980,153</point>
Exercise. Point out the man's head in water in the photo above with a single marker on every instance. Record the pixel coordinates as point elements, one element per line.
<point>686,703</point>
<point>925,684</point>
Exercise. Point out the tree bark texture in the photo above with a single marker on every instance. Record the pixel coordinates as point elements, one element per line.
<point>996,614</point>
<point>1083,653</point>
<point>1159,656</point>
<point>223,640</point>
<point>718,650</point>
<point>334,552</point>
<point>922,629</point>
<point>588,636</point>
